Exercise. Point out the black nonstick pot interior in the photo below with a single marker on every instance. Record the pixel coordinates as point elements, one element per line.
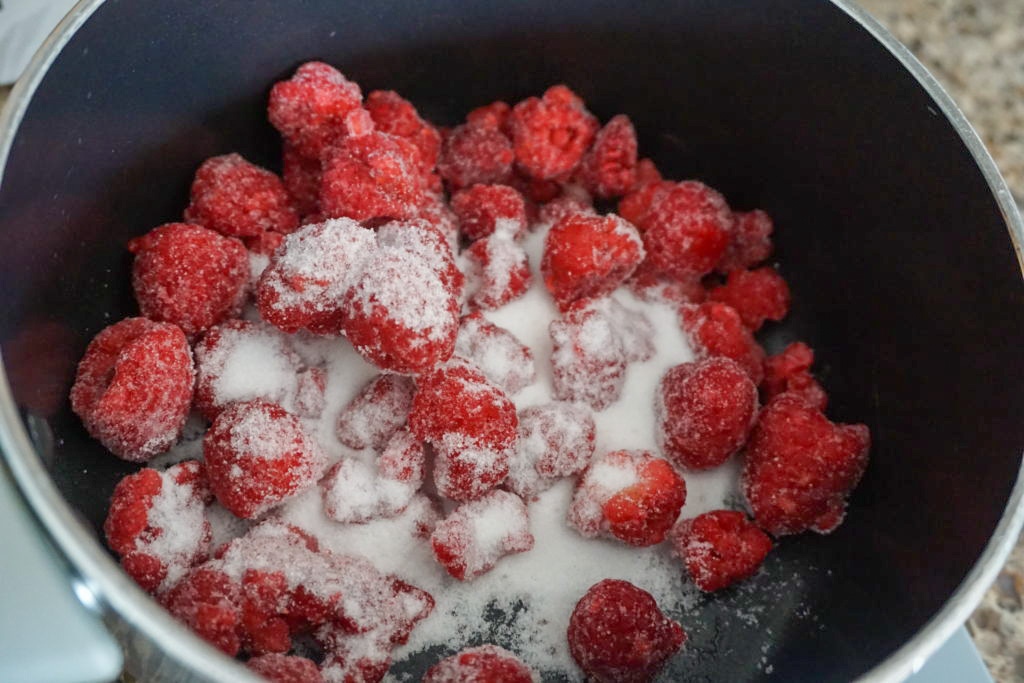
<point>905,280</point>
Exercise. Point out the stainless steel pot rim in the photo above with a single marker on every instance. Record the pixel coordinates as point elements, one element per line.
<point>116,592</point>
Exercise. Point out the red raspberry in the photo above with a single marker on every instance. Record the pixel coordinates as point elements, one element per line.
<point>264,244</point>
<point>502,358</point>
<point>472,154</point>
<point>646,173</point>
<point>756,295</point>
<point>497,272</point>
<point>435,211</point>
<point>720,548</point>
<point>789,371</point>
<point>257,455</point>
<point>561,207</point>
<point>705,411</point>
<point>376,413</point>
<point>134,387</point>
<point>800,467</point>
<point>302,177</point>
<point>648,285</point>
<point>638,206</point>
<point>239,199</point>
<point>617,634</point>
<point>311,392</point>
<point>188,275</point>
<point>608,168</point>
<point>310,108</point>
<point>471,424</point>
<point>372,176</point>
<point>278,668</point>
<point>395,115</point>
<point>588,256</point>
<point>157,523</point>
<point>206,601</point>
<point>224,362</point>
<point>555,440</point>
<point>750,244</point>
<point>481,209</point>
<point>629,495</point>
<point>483,664</point>
<point>588,358</point>
<point>550,134</point>
<point>471,540</point>
<point>534,190</point>
<point>715,329</point>
<point>493,115</point>
<point>687,232</point>
<point>427,241</point>
<point>310,274</point>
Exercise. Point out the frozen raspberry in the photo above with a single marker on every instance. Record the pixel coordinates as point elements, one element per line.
<point>751,242</point>
<point>789,371</point>
<point>482,664</point>
<point>472,154</point>
<point>157,524</point>
<point>226,357</point>
<point>395,115</point>
<point>357,122</point>
<point>757,295</point>
<point>561,207</point>
<point>427,241</point>
<point>715,329</point>
<point>311,392</point>
<point>551,133</point>
<point>207,602</point>
<point>720,548</point>
<point>648,285</point>
<point>588,256</point>
<point>376,413</point>
<point>239,199</point>
<point>646,173</point>
<point>257,455</point>
<point>503,359</point>
<point>372,176</point>
<point>638,206</point>
<point>399,315</point>
<point>608,169</point>
<point>471,424</point>
<point>491,115</point>
<point>483,209</point>
<point>629,495</point>
<point>188,275</point>
<point>471,540</point>
<point>588,360</point>
<point>435,211</point>
<point>555,440</point>
<point>309,109</point>
<point>535,190</point>
<point>310,274</point>
<point>632,327</point>
<point>705,411</point>
<point>800,467</point>
<point>497,272</point>
<point>278,668</point>
<point>264,244</point>
<point>355,492</point>
<point>134,387</point>
<point>617,634</point>
<point>302,178</point>
<point>687,231</point>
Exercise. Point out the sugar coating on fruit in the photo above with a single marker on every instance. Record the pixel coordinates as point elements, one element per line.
<point>790,371</point>
<point>751,241</point>
<point>278,668</point>
<point>551,133</point>
<point>556,440</point>
<point>472,539</point>
<point>720,548</point>
<point>716,329</point>
<point>378,411</point>
<point>475,154</point>
<point>391,113</point>
<point>479,209</point>
<point>497,271</point>
<point>608,168</point>
<point>481,664</point>
<point>588,358</point>
<point>309,109</point>
<point>502,358</point>
<point>757,295</point>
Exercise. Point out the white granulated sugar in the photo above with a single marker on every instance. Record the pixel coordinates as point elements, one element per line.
<point>178,513</point>
<point>254,365</point>
<point>612,476</point>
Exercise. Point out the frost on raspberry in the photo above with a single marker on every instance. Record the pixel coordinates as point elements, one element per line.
<point>720,548</point>
<point>226,357</point>
<point>800,468</point>
<point>471,540</point>
<point>157,524</point>
<point>310,274</point>
<point>497,271</point>
<point>790,371</point>
<point>302,178</point>
<point>555,440</point>
<point>371,176</point>
<point>499,355</point>
<point>629,495</point>
<point>588,256</point>
<point>257,455</point>
<point>716,329</point>
<point>493,115</point>
<point>608,169</point>
<point>278,668</point>
<point>470,423</point>
<point>426,240</point>
<point>473,153</point>
<point>376,413</point>
<point>482,209</point>
<point>309,109</point>
<point>482,664</point>
<point>395,115</point>
<point>551,133</point>
<point>757,295</point>
<point>751,242</point>
<point>355,492</point>
<point>189,275</point>
<point>239,199</point>
<point>704,412</point>
<point>638,206</point>
<point>617,634</point>
<point>133,387</point>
